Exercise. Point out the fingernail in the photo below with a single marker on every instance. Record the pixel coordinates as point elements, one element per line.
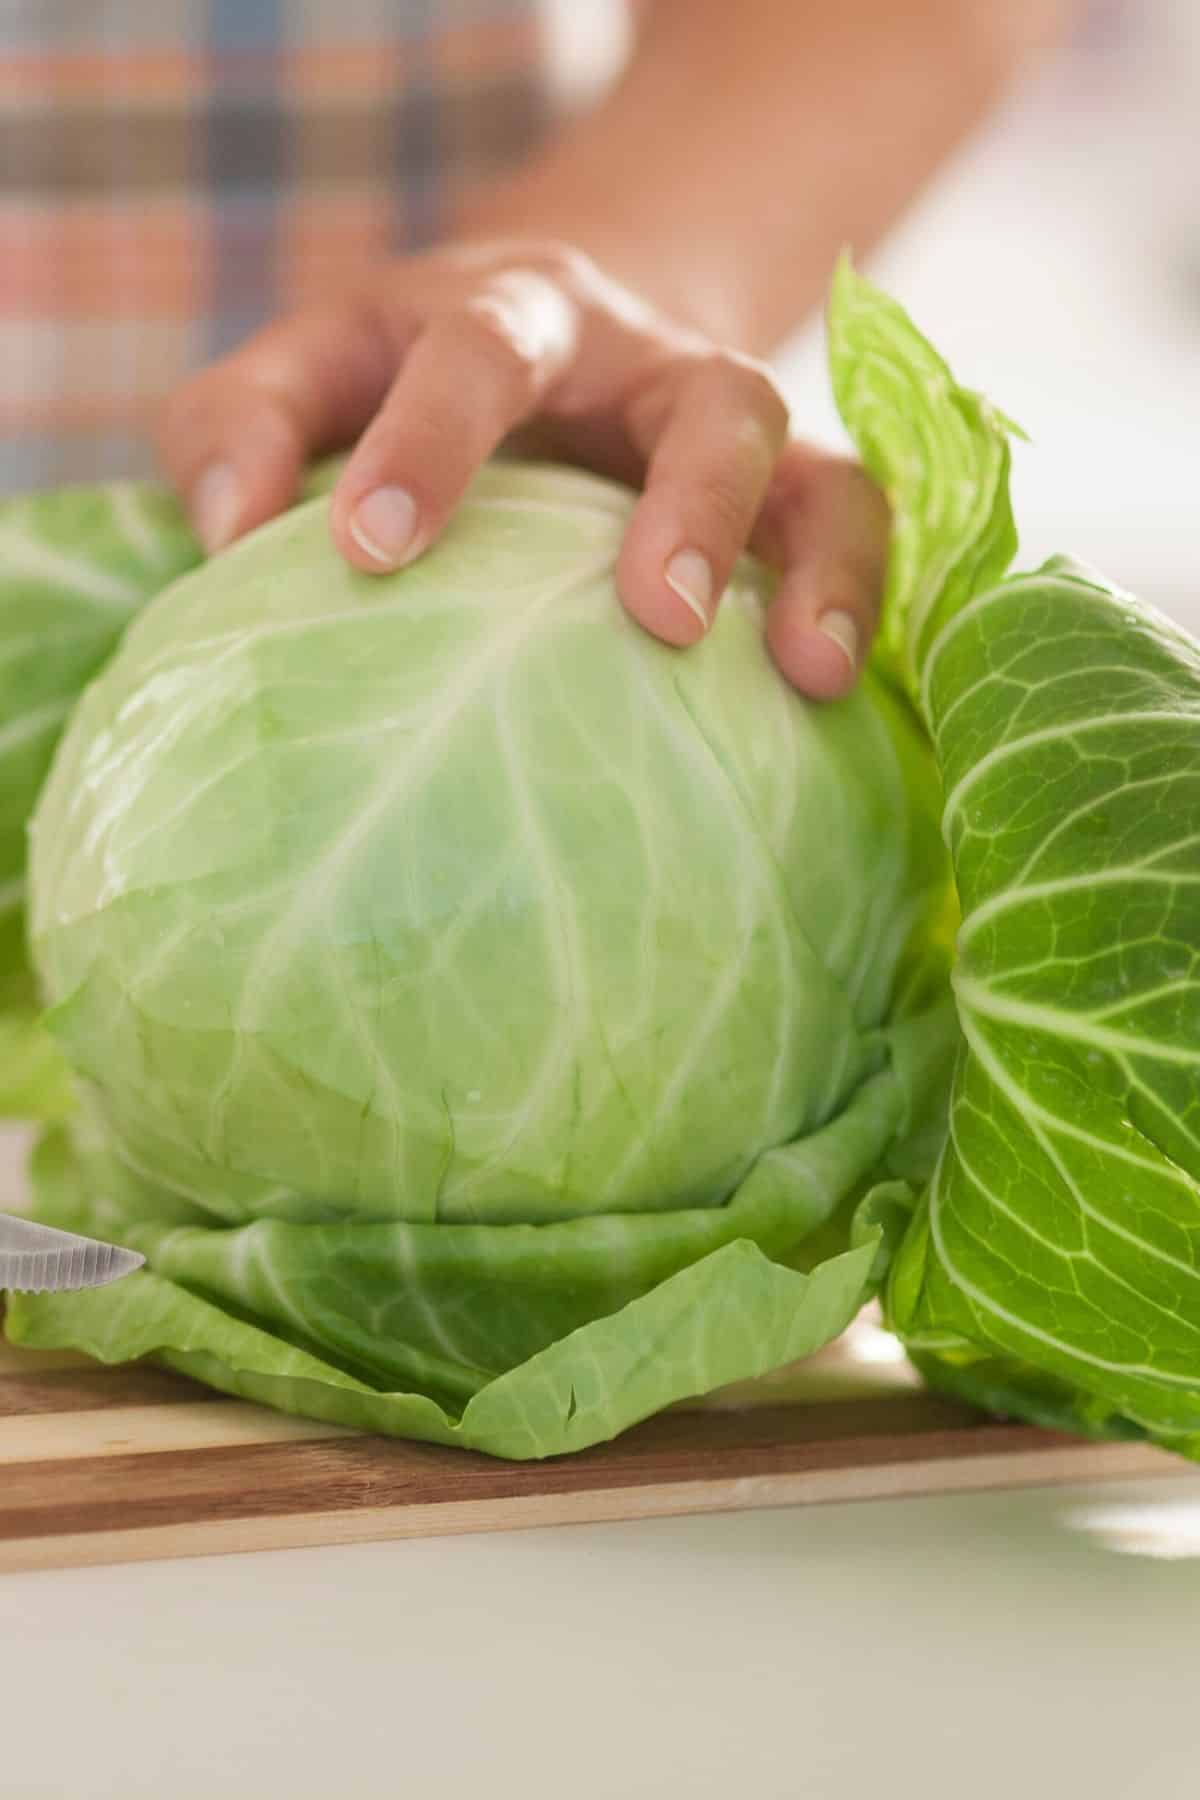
<point>842,627</point>
<point>215,506</point>
<point>688,574</point>
<point>384,525</point>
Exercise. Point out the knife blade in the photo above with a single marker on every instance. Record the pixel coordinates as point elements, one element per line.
<point>39,1259</point>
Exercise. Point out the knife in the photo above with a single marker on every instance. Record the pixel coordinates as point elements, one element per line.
<point>37,1259</point>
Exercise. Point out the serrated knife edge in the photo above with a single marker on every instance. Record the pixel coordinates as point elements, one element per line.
<point>38,1259</point>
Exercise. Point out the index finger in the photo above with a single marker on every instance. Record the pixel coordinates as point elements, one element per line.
<point>235,438</point>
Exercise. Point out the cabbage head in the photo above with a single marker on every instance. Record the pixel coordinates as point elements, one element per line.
<point>453,896</point>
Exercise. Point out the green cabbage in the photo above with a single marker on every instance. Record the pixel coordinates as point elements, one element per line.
<point>494,1026</point>
<point>75,567</point>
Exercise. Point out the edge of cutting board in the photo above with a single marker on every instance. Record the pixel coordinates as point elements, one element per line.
<point>123,1465</point>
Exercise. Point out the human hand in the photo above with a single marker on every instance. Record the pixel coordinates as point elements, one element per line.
<point>430,363</point>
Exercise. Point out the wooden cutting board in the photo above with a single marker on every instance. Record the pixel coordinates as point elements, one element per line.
<point>118,1465</point>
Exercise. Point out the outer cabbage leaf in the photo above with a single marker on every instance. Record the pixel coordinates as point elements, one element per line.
<point>1053,1266</point>
<point>76,566</point>
<point>521,1340</point>
<point>1063,1222</point>
<point>35,1082</point>
<point>939,452</point>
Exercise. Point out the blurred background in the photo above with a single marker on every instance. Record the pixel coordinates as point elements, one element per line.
<point>1057,265</point>
<point>1056,262</point>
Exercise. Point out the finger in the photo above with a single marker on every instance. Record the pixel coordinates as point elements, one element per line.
<point>235,438</point>
<point>826,526</point>
<point>712,429</point>
<point>473,374</point>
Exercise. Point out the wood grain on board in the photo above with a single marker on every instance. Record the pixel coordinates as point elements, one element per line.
<point>124,1464</point>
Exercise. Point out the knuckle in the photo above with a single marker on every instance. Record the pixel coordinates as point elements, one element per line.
<point>479,339</point>
<point>845,475</point>
<point>846,495</point>
<point>742,386</point>
<point>795,473</point>
<point>647,399</point>
<point>748,376</point>
<point>554,258</point>
<point>818,485</point>
<point>870,502</point>
<point>760,390</point>
<point>484,324</point>
<point>523,322</point>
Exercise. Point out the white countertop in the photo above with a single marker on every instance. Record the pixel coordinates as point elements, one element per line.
<point>1033,1644</point>
<point>930,1649</point>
